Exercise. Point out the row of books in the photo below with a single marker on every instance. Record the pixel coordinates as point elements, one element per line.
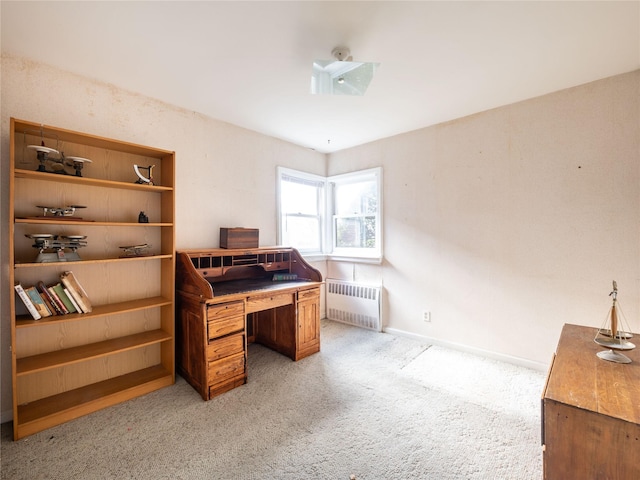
<point>61,298</point>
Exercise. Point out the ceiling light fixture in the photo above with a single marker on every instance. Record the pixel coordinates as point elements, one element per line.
<point>341,76</point>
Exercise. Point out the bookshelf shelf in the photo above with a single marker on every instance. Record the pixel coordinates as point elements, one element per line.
<point>68,365</point>
<point>92,261</point>
<point>48,412</point>
<point>70,179</point>
<point>60,358</point>
<point>87,223</point>
<point>26,321</point>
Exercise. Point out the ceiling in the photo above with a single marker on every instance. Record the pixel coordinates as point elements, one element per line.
<point>250,63</point>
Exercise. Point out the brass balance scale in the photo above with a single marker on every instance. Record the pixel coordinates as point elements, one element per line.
<point>57,248</point>
<point>57,164</point>
<point>616,337</point>
<point>57,160</point>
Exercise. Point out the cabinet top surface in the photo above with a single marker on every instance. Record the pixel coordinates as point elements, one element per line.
<point>578,377</point>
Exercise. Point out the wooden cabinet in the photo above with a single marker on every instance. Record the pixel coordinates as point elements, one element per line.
<point>227,298</point>
<point>65,366</point>
<point>590,412</point>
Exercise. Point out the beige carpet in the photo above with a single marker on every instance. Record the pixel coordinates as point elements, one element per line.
<point>369,406</point>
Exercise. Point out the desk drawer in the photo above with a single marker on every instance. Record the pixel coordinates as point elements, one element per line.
<point>224,347</point>
<point>269,302</point>
<point>226,368</point>
<point>222,310</point>
<point>309,294</point>
<point>224,326</point>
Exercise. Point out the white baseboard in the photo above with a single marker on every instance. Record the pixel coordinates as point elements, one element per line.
<point>522,362</point>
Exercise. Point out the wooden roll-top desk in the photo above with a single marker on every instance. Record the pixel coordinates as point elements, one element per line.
<point>227,298</point>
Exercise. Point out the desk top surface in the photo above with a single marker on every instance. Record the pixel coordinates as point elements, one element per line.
<point>578,377</point>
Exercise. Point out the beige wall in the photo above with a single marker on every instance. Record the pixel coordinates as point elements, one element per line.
<point>225,175</point>
<point>510,223</point>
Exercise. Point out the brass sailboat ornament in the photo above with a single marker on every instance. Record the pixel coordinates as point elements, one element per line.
<point>615,338</point>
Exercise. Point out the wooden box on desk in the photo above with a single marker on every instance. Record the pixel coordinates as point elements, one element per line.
<point>239,237</point>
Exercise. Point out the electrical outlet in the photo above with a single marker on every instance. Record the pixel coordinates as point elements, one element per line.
<point>426,316</point>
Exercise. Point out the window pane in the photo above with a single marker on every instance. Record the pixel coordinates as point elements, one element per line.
<point>356,232</point>
<point>301,232</point>
<point>299,198</point>
<point>356,198</point>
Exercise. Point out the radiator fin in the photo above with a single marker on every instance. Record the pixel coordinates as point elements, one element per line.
<point>353,303</point>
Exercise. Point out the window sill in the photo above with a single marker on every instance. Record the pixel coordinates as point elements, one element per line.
<point>319,257</point>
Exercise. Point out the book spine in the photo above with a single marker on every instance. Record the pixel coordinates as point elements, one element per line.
<point>63,297</point>
<point>48,303</point>
<point>27,302</point>
<point>80,295</point>
<point>38,302</point>
<point>58,300</point>
<point>72,300</point>
<point>46,296</point>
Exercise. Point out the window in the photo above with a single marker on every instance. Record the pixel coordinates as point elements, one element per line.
<point>356,213</point>
<point>353,224</point>
<point>301,210</point>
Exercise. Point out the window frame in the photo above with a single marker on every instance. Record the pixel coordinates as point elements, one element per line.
<point>359,176</point>
<point>302,177</point>
<point>328,249</point>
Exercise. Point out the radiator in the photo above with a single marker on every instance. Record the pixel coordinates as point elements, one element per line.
<point>354,303</point>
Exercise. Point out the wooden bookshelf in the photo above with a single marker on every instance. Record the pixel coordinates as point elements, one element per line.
<point>65,366</point>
